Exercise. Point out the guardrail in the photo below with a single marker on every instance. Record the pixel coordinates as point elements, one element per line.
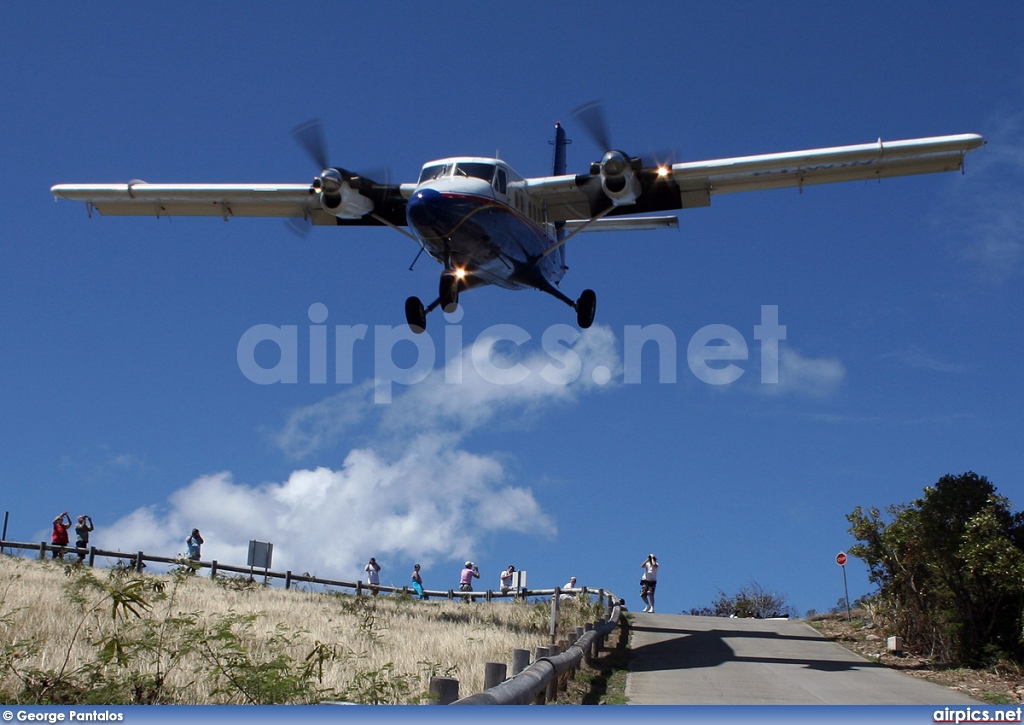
<point>538,683</point>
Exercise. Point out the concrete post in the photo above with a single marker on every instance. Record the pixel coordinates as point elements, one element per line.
<point>494,674</point>
<point>552,693</point>
<point>445,690</point>
<point>520,660</point>
<point>539,653</point>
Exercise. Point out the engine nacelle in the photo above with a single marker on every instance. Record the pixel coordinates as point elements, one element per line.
<point>618,178</point>
<point>345,202</point>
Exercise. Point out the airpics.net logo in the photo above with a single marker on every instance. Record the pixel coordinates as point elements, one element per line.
<point>715,354</point>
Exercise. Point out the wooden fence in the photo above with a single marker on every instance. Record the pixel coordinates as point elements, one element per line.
<point>137,561</point>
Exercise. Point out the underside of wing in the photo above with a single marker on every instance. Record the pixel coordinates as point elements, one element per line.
<point>879,160</point>
<point>298,201</point>
<point>692,184</point>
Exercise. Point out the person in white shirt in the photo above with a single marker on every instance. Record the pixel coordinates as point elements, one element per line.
<point>570,585</point>
<point>506,578</point>
<point>373,575</point>
<point>649,581</point>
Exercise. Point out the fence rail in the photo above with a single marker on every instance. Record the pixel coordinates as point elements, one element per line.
<point>137,560</point>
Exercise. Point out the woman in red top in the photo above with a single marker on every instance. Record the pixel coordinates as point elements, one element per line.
<point>60,534</point>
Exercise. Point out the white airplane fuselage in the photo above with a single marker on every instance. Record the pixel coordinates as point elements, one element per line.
<point>475,215</point>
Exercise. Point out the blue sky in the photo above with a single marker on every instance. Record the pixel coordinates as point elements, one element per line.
<point>123,396</point>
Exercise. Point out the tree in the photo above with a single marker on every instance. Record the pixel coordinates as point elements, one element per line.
<point>949,568</point>
<point>750,601</point>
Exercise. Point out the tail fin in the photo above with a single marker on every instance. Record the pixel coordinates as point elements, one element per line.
<point>558,169</point>
<point>560,143</point>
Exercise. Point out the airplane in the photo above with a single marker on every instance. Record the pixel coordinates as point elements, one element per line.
<point>488,225</point>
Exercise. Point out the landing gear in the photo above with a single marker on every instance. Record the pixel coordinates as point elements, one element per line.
<point>586,307</point>
<point>415,315</point>
<point>448,300</point>
<point>448,291</point>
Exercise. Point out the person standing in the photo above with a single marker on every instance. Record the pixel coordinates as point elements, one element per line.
<point>59,537</point>
<point>417,582</point>
<point>82,534</point>
<point>649,581</point>
<point>372,570</point>
<point>466,577</point>
<point>194,543</point>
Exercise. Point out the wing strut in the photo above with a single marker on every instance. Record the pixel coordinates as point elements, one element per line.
<point>576,231</point>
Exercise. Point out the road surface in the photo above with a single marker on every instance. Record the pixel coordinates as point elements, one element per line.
<point>686,660</point>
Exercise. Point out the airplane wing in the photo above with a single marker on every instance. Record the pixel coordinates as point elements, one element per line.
<point>692,184</point>
<point>385,203</point>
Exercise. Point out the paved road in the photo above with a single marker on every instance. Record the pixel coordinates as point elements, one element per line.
<point>684,660</point>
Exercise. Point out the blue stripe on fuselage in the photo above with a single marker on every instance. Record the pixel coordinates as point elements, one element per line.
<point>491,240</point>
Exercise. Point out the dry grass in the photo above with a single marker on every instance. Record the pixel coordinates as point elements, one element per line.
<point>69,631</point>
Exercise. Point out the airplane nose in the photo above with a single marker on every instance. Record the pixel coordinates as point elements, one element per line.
<point>423,206</point>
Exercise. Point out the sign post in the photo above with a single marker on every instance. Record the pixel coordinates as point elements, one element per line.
<point>841,561</point>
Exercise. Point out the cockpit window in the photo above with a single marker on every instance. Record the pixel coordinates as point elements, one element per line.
<point>434,172</point>
<point>475,170</point>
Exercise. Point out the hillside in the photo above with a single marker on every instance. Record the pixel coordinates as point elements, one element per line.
<point>1002,684</point>
<point>76,635</point>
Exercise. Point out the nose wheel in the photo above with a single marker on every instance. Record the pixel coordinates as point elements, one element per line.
<point>447,300</point>
<point>415,315</point>
<point>586,307</point>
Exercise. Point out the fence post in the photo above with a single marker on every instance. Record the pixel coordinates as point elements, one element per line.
<point>540,653</point>
<point>92,556</point>
<point>288,579</point>
<point>42,549</point>
<point>213,569</point>
<point>520,660</point>
<point>138,562</point>
<point>552,693</point>
<point>445,690</point>
<point>494,674</point>
<point>554,614</point>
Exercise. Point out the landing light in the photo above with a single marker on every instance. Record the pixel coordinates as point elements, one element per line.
<point>460,273</point>
<point>662,172</point>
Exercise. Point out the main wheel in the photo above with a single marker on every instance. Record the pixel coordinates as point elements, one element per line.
<point>586,307</point>
<point>449,292</point>
<point>415,315</point>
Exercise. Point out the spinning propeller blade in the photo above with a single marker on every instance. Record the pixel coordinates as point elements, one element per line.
<point>310,136</point>
<point>591,117</point>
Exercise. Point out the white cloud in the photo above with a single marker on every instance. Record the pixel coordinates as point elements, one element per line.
<point>817,377</point>
<point>408,490</point>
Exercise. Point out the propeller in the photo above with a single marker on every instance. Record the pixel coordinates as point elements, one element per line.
<point>310,136</point>
<point>592,118</point>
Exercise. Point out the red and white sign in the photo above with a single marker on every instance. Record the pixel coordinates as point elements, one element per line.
<point>841,559</point>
